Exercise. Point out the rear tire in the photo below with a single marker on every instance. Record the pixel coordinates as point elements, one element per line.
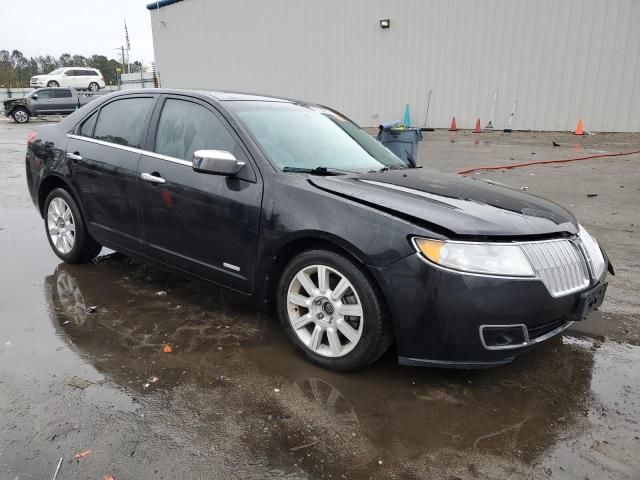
<point>53,83</point>
<point>20,115</point>
<point>66,230</point>
<point>94,87</point>
<point>317,322</point>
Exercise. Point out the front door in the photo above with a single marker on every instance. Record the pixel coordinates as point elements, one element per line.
<point>104,153</point>
<point>205,224</point>
<point>44,102</point>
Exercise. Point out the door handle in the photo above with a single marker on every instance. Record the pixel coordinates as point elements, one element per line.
<point>74,156</point>
<point>148,177</point>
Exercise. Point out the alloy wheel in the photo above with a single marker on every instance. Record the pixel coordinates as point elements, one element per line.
<point>325,311</point>
<point>61,225</point>
<point>93,87</point>
<point>20,116</point>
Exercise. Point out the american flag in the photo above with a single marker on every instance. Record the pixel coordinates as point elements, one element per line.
<point>126,36</point>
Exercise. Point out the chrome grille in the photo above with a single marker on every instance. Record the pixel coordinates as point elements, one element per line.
<point>559,264</point>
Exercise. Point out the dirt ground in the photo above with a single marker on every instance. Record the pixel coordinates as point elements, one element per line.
<point>82,363</point>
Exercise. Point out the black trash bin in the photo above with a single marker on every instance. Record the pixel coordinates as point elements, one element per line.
<point>403,142</point>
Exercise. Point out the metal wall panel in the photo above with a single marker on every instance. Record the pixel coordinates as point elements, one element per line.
<point>560,59</point>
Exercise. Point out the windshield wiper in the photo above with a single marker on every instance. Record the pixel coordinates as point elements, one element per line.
<point>393,167</point>
<point>317,170</point>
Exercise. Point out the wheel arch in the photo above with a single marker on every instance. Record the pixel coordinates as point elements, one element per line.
<point>52,182</point>
<point>21,107</point>
<point>311,241</point>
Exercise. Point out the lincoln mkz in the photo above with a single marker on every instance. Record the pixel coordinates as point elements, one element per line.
<point>291,204</point>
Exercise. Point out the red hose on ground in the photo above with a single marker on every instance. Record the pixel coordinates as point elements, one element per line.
<point>542,162</point>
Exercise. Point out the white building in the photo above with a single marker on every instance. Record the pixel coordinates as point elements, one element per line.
<point>560,59</point>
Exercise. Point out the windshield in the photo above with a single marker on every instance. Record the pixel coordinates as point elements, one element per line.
<point>57,71</point>
<point>306,137</point>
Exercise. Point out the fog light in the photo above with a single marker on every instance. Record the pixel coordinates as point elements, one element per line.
<point>496,337</point>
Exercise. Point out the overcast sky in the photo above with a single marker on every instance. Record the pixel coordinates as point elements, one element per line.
<point>84,27</point>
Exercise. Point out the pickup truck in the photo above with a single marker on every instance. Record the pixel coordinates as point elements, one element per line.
<point>45,101</point>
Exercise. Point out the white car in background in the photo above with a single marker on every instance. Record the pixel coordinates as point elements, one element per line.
<point>80,78</point>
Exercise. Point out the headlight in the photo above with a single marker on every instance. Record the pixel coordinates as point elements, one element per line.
<point>483,258</point>
<point>594,253</point>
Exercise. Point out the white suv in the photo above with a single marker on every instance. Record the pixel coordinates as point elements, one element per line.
<point>79,78</point>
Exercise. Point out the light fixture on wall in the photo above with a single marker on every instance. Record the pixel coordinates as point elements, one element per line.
<point>386,23</point>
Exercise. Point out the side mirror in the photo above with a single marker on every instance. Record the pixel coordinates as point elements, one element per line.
<point>216,162</point>
<point>34,96</point>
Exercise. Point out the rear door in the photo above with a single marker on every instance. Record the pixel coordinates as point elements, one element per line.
<point>83,79</point>
<point>62,101</point>
<point>205,224</point>
<point>104,151</point>
<point>68,79</point>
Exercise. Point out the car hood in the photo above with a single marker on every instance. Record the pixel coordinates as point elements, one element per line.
<point>453,205</point>
<point>11,101</point>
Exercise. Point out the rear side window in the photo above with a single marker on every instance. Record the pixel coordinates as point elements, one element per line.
<point>92,73</point>
<point>61,93</point>
<point>185,127</point>
<point>86,128</point>
<point>122,121</point>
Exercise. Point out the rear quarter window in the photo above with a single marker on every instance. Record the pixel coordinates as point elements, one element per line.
<point>86,127</point>
<point>122,121</point>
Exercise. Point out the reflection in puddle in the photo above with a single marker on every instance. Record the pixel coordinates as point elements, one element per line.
<point>232,376</point>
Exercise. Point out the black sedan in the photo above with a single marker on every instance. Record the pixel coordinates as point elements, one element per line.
<point>291,204</point>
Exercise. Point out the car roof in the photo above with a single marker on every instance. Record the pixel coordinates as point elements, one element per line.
<point>220,95</point>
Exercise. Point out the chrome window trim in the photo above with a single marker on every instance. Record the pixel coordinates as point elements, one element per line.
<point>106,144</point>
<point>167,158</point>
<point>528,341</point>
<point>132,149</point>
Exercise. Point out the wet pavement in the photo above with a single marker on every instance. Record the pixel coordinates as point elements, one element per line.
<point>82,364</point>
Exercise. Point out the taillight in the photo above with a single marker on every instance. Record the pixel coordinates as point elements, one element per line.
<point>32,136</point>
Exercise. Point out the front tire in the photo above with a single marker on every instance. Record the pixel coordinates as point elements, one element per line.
<point>66,230</point>
<point>20,115</point>
<point>94,87</point>
<point>53,83</point>
<point>332,312</point>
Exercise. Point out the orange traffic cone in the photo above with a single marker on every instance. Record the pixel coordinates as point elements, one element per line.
<point>579,128</point>
<point>477,129</point>
<point>453,127</point>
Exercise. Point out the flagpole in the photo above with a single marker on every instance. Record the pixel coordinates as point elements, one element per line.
<point>126,35</point>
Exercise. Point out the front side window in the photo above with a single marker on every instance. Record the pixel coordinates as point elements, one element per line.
<point>42,94</point>
<point>185,127</point>
<point>306,137</point>
<point>122,121</point>
<point>70,73</point>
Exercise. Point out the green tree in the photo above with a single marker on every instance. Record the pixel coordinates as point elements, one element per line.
<point>65,60</point>
<point>78,61</point>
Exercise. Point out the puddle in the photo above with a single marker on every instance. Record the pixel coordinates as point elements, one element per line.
<point>232,375</point>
